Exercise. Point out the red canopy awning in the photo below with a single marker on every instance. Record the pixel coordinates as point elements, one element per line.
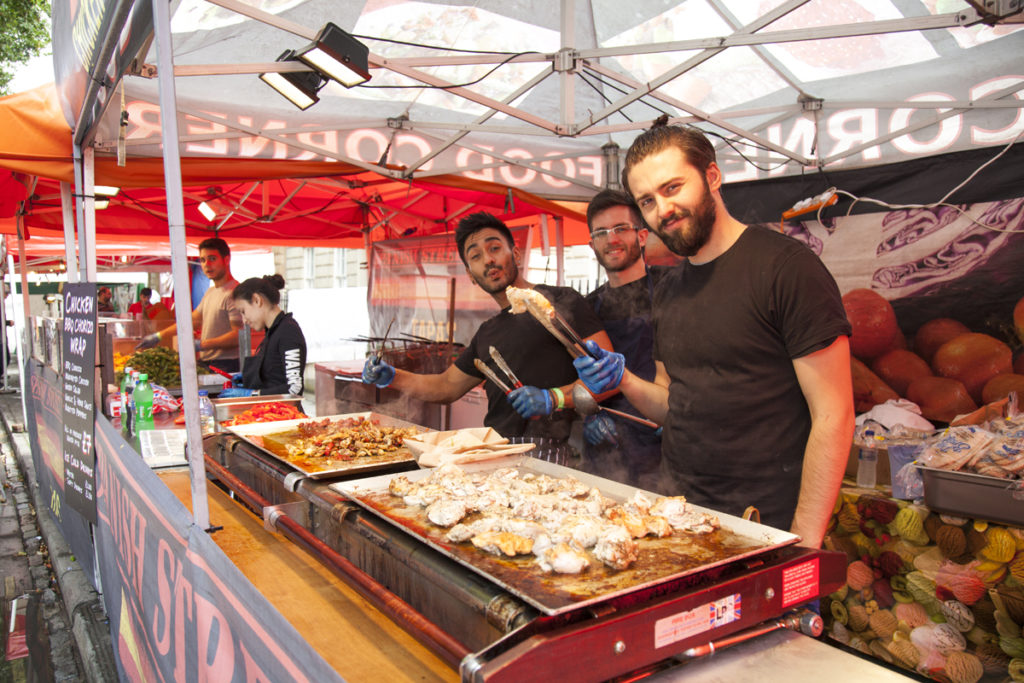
<point>262,201</point>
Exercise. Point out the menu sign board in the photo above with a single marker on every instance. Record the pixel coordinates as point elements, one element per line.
<point>78,372</point>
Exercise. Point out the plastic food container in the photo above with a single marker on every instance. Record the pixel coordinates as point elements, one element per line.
<point>227,408</point>
<point>974,495</point>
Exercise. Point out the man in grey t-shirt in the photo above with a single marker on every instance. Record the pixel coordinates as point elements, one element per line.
<point>216,317</point>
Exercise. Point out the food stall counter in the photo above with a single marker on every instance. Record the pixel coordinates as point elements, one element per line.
<point>357,640</point>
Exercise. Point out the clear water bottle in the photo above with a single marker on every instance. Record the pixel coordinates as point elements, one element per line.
<point>867,461</point>
<point>143,403</point>
<point>207,416</point>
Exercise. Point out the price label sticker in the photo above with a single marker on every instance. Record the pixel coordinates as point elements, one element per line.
<point>708,616</point>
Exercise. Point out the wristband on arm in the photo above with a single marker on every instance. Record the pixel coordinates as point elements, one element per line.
<point>559,397</point>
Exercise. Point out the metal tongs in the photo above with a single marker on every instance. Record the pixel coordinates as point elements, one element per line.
<point>558,327</point>
<point>503,365</point>
<point>384,341</point>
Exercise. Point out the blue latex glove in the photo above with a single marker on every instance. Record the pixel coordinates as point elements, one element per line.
<point>378,372</point>
<point>236,379</point>
<point>600,428</point>
<point>603,373</point>
<point>148,342</point>
<point>235,392</point>
<point>198,345</point>
<point>531,401</point>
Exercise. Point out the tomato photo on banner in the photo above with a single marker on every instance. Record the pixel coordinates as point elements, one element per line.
<point>935,297</point>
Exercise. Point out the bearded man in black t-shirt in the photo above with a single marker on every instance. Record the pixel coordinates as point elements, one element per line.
<point>543,407</point>
<point>751,347</point>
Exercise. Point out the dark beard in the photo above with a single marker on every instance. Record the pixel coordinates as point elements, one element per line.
<point>632,256</point>
<point>685,243</point>
<point>494,288</point>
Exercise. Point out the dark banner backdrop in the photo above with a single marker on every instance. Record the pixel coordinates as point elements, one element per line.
<point>45,406</point>
<point>179,609</point>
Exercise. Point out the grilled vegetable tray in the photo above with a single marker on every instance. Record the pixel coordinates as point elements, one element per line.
<point>660,559</point>
<point>273,438</point>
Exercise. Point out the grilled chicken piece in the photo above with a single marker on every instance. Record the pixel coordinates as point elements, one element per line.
<point>582,531</point>
<point>424,495</point>
<point>503,542</point>
<point>574,487</point>
<point>672,509</point>
<point>633,523</point>
<point>639,504</point>
<point>657,526</point>
<point>446,511</point>
<point>698,522</point>
<point>615,547</point>
<point>563,559</point>
<point>401,486</point>
<point>522,300</point>
<point>463,532</point>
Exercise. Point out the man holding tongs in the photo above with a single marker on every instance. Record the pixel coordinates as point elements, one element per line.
<point>529,376</point>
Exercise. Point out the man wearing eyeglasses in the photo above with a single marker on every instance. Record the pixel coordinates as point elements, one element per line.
<point>617,448</point>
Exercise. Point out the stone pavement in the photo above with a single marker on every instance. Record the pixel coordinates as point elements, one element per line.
<point>69,638</point>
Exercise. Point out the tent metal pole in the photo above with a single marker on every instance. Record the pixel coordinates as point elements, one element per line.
<point>79,207</point>
<point>3,328</point>
<point>179,260</point>
<point>87,231</point>
<point>26,312</point>
<point>67,210</point>
<point>567,77</point>
<point>86,123</point>
<point>559,251</point>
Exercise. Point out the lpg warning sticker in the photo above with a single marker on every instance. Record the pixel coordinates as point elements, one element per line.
<point>704,618</point>
<point>800,583</point>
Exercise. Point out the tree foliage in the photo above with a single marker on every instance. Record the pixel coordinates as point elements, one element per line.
<point>24,32</point>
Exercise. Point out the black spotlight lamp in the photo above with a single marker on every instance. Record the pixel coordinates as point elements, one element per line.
<point>337,55</point>
<point>300,87</point>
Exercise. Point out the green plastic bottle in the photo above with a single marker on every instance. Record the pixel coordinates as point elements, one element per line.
<point>143,403</point>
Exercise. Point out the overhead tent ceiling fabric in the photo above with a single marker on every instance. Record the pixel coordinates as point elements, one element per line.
<point>261,201</point>
<point>900,80</point>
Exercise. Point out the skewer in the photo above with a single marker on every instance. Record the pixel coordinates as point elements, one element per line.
<point>380,353</point>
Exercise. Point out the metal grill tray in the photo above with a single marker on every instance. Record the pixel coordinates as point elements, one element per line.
<point>661,559</point>
<point>256,434</point>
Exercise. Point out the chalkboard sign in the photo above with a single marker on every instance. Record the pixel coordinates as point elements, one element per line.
<point>78,372</point>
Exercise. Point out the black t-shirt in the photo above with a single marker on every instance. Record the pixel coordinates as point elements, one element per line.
<point>727,332</point>
<point>277,366</point>
<point>535,356</point>
<point>632,301</point>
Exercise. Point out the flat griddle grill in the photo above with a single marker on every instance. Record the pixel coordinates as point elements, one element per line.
<point>661,559</point>
<point>597,635</point>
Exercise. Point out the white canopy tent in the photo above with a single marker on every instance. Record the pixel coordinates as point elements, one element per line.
<point>536,95</point>
<point>544,96</point>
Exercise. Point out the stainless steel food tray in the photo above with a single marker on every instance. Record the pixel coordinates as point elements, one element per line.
<point>661,560</point>
<point>977,496</point>
<point>256,434</point>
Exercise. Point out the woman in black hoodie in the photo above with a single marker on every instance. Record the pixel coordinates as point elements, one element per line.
<point>278,364</point>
